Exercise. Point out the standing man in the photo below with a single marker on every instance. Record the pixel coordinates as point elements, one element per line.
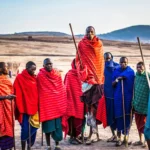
<point>140,101</point>
<point>110,66</point>
<point>90,66</point>
<point>53,102</point>
<point>25,86</point>
<point>125,73</point>
<point>75,108</point>
<point>6,110</point>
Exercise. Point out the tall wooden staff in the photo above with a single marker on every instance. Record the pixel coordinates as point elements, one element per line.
<point>143,61</point>
<point>75,45</point>
<point>80,65</point>
<point>124,113</point>
<point>13,127</point>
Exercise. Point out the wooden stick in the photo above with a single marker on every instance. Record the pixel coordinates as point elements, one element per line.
<point>143,61</point>
<point>13,127</point>
<point>29,134</point>
<point>75,45</point>
<point>42,135</point>
<point>124,115</point>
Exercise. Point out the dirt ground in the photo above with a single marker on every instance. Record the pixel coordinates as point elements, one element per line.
<point>19,52</point>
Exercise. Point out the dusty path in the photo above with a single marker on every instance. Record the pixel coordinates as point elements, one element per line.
<point>102,145</point>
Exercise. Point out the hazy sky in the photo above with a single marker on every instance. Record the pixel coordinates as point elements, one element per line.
<point>55,15</point>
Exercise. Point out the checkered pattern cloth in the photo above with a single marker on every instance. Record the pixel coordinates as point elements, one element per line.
<point>141,93</point>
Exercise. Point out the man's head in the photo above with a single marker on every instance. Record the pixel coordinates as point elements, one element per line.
<point>140,67</point>
<point>108,56</point>
<point>90,32</point>
<point>47,64</point>
<point>3,68</point>
<point>123,62</point>
<point>31,67</point>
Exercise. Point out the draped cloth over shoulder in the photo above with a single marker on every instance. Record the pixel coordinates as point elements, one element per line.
<point>75,108</point>
<point>6,110</point>
<point>52,95</point>
<point>25,87</point>
<point>91,55</point>
<point>128,83</point>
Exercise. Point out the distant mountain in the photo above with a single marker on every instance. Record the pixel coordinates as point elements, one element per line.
<point>42,33</point>
<point>129,34</point>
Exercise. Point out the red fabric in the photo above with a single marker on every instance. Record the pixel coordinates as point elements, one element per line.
<point>101,112</point>
<point>6,108</point>
<point>26,92</point>
<point>75,108</point>
<point>52,95</point>
<point>91,55</point>
<point>140,120</point>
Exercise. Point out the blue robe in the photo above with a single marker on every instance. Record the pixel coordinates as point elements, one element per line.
<point>147,125</point>
<point>110,66</point>
<point>128,83</point>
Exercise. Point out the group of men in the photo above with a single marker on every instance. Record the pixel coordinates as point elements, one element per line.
<point>95,91</point>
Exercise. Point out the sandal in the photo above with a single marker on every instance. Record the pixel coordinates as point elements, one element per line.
<point>88,142</point>
<point>119,143</point>
<point>96,140</point>
<point>112,139</point>
<point>57,148</point>
<point>138,143</point>
<point>74,142</point>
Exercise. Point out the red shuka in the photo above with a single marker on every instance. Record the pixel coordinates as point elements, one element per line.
<point>101,112</point>
<point>52,95</point>
<point>75,107</point>
<point>91,55</point>
<point>25,87</point>
<point>6,108</point>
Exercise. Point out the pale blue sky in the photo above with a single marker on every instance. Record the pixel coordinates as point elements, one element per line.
<point>55,15</point>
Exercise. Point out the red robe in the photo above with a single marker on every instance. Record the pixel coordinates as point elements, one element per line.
<point>25,87</point>
<point>75,108</point>
<point>52,95</point>
<point>91,55</point>
<point>6,108</point>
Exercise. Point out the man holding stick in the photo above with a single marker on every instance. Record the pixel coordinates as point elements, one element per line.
<point>25,86</point>
<point>75,108</point>
<point>140,101</point>
<point>123,81</point>
<point>53,102</point>
<point>6,110</point>
<point>90,65</point>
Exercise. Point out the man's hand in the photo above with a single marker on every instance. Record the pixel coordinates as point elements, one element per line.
<point>10,97</point>
<point>121,78</point>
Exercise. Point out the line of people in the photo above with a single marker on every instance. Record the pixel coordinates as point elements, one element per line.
<point>95,91</point>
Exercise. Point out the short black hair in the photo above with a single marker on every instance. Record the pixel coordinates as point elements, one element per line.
<point>88,28</point>
<point>2,64</point>
<point>108,53</point>
<point>45,60</point>
<point>29,64</point>
<point>124,58</point>
<point>140,63</point>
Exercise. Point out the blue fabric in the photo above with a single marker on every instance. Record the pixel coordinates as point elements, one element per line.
<point>147,124</point>
<point>128,83</point>
<point>110,113</point>
<point>120,124</point>
<point>110,66</point>
<point>25,130</point>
